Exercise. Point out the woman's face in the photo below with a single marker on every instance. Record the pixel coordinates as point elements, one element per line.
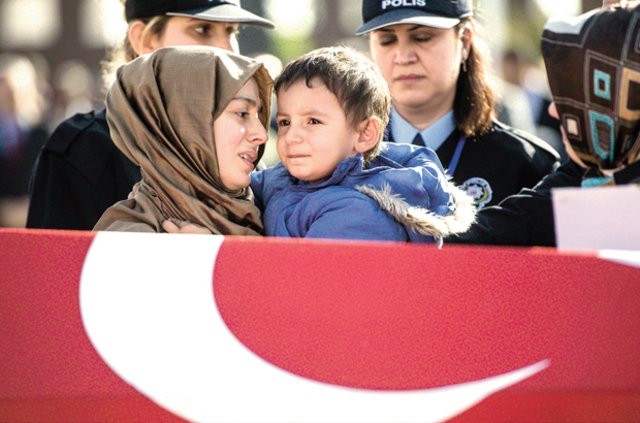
<point>238,133</point>
<point>421,64</point>
<point>188,31</point>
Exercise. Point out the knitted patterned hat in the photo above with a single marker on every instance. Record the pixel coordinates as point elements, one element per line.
<point>593,68</point>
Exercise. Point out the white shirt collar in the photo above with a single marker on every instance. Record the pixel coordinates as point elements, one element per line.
<point>433,136</point>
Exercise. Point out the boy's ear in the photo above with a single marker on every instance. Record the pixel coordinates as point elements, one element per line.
<point>369,130</point>
<point>141,44</point>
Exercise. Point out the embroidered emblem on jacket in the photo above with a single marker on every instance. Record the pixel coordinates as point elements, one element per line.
<point>479,189</point>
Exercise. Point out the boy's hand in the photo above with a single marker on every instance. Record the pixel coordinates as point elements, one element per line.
<point>175,226</point>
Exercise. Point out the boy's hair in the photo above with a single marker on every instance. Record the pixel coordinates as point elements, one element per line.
<point>352,77</point>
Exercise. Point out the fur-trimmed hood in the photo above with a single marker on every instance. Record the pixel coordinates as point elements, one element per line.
<point>424,221</point>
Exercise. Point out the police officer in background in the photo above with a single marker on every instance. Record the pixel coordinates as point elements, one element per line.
<point>80,172</point>
<point>430,55</point>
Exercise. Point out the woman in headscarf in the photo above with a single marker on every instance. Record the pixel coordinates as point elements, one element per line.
<point>80,155</point>
<point>193,119</point>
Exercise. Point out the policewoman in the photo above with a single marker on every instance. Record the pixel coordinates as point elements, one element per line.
<point>80,172</point>
<point>433,62</point>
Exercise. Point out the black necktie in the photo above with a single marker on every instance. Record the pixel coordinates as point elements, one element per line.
<point>417,140</point>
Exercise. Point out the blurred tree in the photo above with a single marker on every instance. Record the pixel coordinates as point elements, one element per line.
<point>253,39</point>
<point>68,44</point>
<point>591,4</point>
<point>524,28</point>
<point>525,23</point>
<point>328,30</point>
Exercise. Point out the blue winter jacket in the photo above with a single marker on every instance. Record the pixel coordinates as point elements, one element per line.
<point>381,200</point>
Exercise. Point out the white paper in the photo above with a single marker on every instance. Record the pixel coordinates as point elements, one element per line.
<point>597,218</point>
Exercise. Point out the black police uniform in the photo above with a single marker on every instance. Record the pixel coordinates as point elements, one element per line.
<point>79,174</point>
<point>498,163</point>
<point>526,218</point>
<point>523,219</point>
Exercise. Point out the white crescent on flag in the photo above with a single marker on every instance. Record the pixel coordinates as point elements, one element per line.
<point>148,306</point>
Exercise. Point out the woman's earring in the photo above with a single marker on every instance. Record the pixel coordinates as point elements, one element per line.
<point>465,56</point>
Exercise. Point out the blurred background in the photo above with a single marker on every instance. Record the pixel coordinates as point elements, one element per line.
<point>51,53</point>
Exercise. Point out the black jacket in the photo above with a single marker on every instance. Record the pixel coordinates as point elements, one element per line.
<point>78,174</point>
<point>526,219</point>
<point>500,162</point>
<point>523,219</point>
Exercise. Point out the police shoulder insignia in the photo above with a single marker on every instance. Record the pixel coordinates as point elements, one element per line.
<point>479,189</point>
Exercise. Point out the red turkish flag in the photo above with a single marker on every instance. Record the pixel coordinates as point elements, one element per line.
<point>117,326</point>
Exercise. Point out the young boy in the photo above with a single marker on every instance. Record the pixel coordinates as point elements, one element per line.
<point>333,106</point>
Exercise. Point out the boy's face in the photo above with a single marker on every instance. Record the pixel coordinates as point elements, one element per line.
<point>314,134</point>
<point>238,133</point>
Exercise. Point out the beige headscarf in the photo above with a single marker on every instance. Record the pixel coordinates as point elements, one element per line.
<point>160,112</point>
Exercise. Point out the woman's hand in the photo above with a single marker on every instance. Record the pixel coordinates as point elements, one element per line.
<point>175,226</point>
